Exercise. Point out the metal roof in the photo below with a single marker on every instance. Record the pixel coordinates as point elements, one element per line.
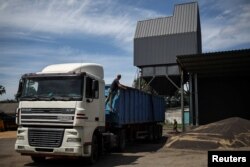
<point>185,19</point>
<point>235,62</point>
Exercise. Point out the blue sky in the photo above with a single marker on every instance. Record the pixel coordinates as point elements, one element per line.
<point>37,33</point>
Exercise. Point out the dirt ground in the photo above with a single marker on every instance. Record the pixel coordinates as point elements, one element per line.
<point>7,134</point>
<point>175,149</point>
<point>138,154</point>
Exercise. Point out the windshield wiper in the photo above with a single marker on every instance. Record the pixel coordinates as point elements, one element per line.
<point>65,98</point>
<point>77,97</point>
<point>30,98</point>
<point>59,98</point>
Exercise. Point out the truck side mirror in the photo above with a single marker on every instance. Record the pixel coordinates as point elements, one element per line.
<point>20,89</point>
<point>95,88</point>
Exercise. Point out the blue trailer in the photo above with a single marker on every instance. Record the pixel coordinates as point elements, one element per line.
<point>135,114</point>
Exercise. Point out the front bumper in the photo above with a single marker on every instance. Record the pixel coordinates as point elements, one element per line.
<point>72,144</point>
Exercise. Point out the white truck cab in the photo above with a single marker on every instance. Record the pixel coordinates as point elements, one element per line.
<point>61,111</point>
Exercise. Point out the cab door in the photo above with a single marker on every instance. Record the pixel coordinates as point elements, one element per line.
<point>92,100</point>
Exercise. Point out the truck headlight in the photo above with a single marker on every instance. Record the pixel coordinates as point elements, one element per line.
<point>20,137</point>
<point>74,140</point>
<point>20,131</point>
<point>73,133</point>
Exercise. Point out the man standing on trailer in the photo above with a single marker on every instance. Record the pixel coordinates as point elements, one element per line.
<point>113,90</point>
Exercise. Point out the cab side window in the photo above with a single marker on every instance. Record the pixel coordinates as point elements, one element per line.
<point>92,88</point>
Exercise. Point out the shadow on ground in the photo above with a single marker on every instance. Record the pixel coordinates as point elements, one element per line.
<point>128,157</point>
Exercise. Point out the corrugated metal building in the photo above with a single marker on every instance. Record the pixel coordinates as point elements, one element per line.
<point>219,85</point>
<point>158,41</point>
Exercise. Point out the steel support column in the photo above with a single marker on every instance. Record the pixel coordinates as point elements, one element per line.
<point>191,108</point>
<point>196,99</point>
<point>182,101</point>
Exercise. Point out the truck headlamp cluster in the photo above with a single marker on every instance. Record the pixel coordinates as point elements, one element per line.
<point>20,137</point>
<point>74,140</point>
<point>20,131</point>
<point>73,133</point>
<point>69,149</point>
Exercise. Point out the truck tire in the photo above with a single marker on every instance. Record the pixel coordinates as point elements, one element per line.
<point>94,150</point>
<point>158,132</point>
<point>38,159</point>
<point>151,133</point>
<point>2,125</point>
<point>121,145</point>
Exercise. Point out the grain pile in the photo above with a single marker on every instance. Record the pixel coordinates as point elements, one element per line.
<point>229,133</point>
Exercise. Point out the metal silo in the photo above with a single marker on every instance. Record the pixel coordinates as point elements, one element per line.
<point>158,41</point>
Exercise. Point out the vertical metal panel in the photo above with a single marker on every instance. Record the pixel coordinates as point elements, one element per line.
<point>143,108</point>
<point>146,108</point>
<point>158,41</point>
<point>149,115</point>
<point>148,71</point>
<point>117,105</point>
<point>184,14</point>
<point>132,107</point>
<point>221,97</point>
<point>160,70</point>
<point>173,70</point>
<point>164,49</point>
<point>136,105</point>
<point>127,106</point>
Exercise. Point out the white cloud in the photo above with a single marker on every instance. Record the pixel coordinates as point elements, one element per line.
<point>228,28</point>
<point>44,56</point>
<point>225,24</point>
<point>98,18</point>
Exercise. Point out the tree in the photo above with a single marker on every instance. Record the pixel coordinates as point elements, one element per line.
<point>2,90</point>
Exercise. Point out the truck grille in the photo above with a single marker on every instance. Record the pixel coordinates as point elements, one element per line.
<point>45,137</point>
<point>47,116</point>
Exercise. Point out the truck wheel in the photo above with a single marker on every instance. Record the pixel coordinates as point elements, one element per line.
<point>2,128</point>
<point>94,150</point>
<point>158,132</point>
<point>151,133</point>
<point>38,159</point>
<point>121,140</point>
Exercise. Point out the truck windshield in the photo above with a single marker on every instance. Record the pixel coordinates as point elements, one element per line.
<point>53,88</point>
